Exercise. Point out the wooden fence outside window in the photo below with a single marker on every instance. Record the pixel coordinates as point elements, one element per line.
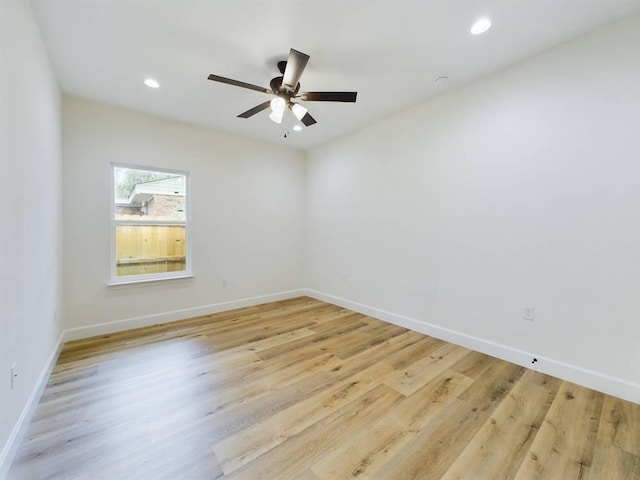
<point>150,248</point>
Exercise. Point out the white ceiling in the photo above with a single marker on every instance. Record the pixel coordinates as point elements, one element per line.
<point>391,52</point>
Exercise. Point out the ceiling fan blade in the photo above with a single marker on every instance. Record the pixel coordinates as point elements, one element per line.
<point>257,109</point>
<point>329,96</point>
<point>295,66</point>
<point>308,120</point>
<point>238,83</point>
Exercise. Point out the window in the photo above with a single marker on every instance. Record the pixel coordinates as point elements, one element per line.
<point>150,224</point>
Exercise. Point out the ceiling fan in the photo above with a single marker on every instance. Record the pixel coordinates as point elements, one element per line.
<point>286,89</point>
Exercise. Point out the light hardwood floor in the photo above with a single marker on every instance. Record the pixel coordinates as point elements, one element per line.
<point>303,390</point>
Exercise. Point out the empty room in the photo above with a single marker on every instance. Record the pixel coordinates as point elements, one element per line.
<point>320,240</point>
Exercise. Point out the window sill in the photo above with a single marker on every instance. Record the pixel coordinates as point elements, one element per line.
<point>149,281</point>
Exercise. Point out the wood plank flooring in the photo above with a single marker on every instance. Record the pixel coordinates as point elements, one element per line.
<point>304,390</point>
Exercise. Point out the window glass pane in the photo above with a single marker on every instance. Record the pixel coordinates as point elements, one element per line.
<point>144,200</point>
<point>142,249</point>
<point>144,195</point>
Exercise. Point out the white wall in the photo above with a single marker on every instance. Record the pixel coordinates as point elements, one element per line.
<point>522,188</point>
<point>247,215</point>
<point>30,217</point>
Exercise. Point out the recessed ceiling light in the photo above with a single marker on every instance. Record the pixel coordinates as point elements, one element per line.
<point>480,26</point>
<point>151,83</point>
<point>297,128</point>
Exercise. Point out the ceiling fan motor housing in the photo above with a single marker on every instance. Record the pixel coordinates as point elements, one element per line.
<point>279,89</point>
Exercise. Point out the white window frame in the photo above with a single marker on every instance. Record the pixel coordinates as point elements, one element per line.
<point>149,277</point>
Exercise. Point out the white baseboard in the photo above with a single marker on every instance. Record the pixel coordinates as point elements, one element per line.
<point>13,442</point>
<point>165,317</point>
<point>589,378</point>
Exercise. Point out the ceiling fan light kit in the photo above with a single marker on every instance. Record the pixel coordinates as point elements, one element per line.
<point>286,89</point>
<point>298,110</point>
<point>277,116</point>
<point>278,104</point>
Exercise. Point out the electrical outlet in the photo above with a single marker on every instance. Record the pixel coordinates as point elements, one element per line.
<point>529,313</point>
<point>14,375</point>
